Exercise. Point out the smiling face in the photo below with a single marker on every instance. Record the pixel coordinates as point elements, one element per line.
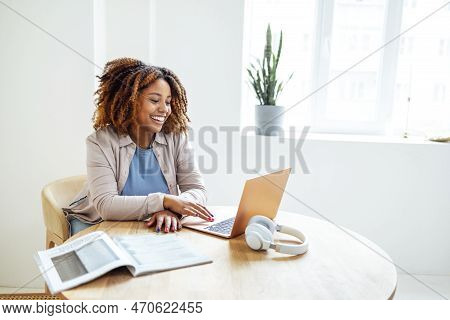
<point>131,92</point>
<point>154,106</point>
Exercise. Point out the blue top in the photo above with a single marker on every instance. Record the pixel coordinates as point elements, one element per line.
<point>145,175</point>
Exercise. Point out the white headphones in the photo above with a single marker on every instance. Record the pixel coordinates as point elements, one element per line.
<point>259,236</point>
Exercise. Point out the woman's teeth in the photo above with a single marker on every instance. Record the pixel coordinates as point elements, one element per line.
<point>159,119</point>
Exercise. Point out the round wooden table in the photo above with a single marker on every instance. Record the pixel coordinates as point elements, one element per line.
<point>339,265</point>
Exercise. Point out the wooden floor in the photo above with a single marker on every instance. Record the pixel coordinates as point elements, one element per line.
<point>4,290</point>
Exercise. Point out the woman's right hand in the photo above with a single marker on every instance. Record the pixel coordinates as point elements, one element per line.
<point>170,220</point>
<point>185,207</point>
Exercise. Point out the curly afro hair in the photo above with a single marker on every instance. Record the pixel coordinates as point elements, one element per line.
<point>117,96</point>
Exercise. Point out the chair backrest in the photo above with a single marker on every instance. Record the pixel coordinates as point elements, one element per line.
<point>56,195</point>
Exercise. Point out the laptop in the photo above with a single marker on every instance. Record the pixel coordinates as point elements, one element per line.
<point>261,196</point>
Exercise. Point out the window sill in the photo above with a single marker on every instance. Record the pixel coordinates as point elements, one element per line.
<point>338,137</point>
<point>369,138</point>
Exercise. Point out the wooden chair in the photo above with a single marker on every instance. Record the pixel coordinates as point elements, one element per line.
<point>55,196</point>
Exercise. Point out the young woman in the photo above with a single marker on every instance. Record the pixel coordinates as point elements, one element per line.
<point>139,158</point>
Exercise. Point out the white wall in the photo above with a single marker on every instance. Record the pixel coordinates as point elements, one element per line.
<point>201,42</point>
<point>395,194</point>
<point>46,103</point>
<point>127,29</point>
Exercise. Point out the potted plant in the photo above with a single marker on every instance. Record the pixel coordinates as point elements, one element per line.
<point>263,79</point>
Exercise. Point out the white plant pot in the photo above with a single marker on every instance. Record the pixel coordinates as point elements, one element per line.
<point>269,120</point>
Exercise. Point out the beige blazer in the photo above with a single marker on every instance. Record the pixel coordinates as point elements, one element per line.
<point>108,161</point>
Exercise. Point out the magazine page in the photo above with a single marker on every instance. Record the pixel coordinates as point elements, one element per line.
<point>154,253</point>
<point>79,261</point>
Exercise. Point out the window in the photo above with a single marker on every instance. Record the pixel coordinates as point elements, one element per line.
<point>423,72</point>
<point>368,87</point>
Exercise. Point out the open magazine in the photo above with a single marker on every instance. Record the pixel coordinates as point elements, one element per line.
<point>94,254</point>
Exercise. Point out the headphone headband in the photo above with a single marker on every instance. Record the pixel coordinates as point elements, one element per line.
<point>292,248</point>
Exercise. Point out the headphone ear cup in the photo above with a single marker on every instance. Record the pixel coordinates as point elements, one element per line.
<point>258,237</point>
<point>264,221</point>
<point>253,240</point>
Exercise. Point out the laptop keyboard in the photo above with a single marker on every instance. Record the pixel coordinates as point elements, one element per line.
<point>223,227</point>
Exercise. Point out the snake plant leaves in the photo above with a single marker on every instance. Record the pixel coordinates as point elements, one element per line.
<point>263,77</point>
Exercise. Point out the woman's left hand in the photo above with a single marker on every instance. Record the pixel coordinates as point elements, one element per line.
<point>170,220</point>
